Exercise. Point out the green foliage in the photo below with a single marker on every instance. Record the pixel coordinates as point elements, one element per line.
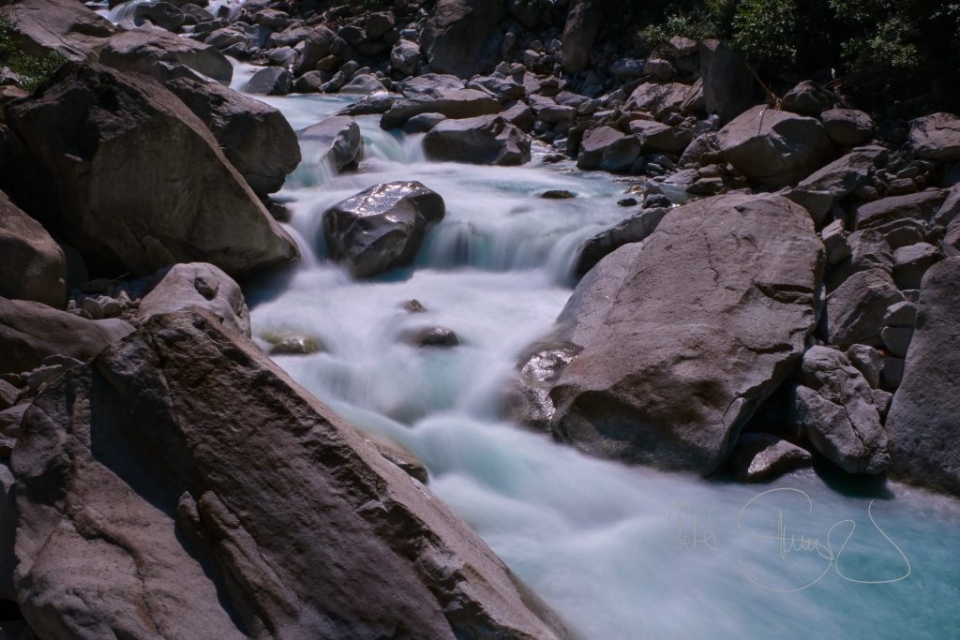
<point>31,71</point>
<point>766,31</point>
<point>694,24</point>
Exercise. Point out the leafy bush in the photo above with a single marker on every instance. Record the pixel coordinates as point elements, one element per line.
<point>30,71</point>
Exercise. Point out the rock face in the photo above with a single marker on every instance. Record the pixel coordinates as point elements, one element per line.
<point>228,503</point>
<point>922,422</point>
<point>197,285</point>
<point>254,136</point>
<point>633,229</point>
<point>775,148</point>
<point>480,140</point>
<point>679,338</point>
<point>31,332</point>
<point>336,140</point>
<point>382,227</point>
<point>64,26</point>
<point>583,24</point>
<point>157,53</point>
<point>936,137</point>
<point>462,37</point>
<point>834,408</point>
<point>33,265</point>
<point>127,175</point>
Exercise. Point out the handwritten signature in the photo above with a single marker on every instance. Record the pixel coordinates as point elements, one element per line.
<point>783,545</point>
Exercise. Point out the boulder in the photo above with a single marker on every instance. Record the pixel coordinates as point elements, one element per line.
<point>503,89</point>
<point>922,421</point>
<point>163,14</point>
<point>30,332</point>
<point>936,137</point>
<point>456,103</point>
<point>126,174</point>
<point>196,285</point>
<point>382,227</point>
<point>423,122</point>
<point>584,20</point>
<point>807,99</point>
<point>775,148</point>
<point>847,127</point>
<point>677,340</point>
<point>634,229</point>
<point>431,337</point>
<point>270,81</point>
<point>405,57</point>
<point>65,26</point>
<point>33,265</point>
<point>317,45</point>
<point>833,406</point>
<point>336,141</point>
<point>363,84</point>
<point>463,37</point>
<point>656,99</point>
<point>920,206</point>
<point>911,262</point>
<point>608,149</point>
<point>854,311</point>
<point>254,136</point>
<point>480,140</point>
<point>658,137</point>
<point>728,83</point>
<point>8,532</point>
<point>158,53</point>
<point>819,191</point>
<point>182,485</point>
<point>760,456</point>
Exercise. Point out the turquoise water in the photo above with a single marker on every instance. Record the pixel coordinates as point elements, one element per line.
<point>620,552</point>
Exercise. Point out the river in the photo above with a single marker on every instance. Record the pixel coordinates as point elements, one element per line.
<point>620,552</point>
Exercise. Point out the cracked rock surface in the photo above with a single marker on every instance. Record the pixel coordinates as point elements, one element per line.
<point>680,337</point>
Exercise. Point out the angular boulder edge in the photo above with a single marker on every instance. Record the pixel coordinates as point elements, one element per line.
<point>181,483</point>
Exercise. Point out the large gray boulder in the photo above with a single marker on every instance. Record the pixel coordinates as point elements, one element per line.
<point>854,311</point>
<point>382,227</point>
<point>158,54</point>
<point>127,175</point>
<point>336,141</point>
<point>182,486</point>
<point>922,424</point>
<point>775,148</point>
<point>633,229</point>
<point>198,286</point>
<point>819,191</point>
<point>480,140</point>
<point>672,343</point>
<point>30,332</point>
<point>33,265</point>
<point>65,26</point>
<point>584,20</point>
<point>463,37</point>
<point>936,137</point>
<point>833,407</point>
<point>728,83</point>
<point>254,136</point>
<point>609,149</point>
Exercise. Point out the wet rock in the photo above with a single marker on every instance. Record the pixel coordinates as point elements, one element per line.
<point>834,408</point>
<point>775,148</point>
<point>847,127</point>
<point>254,136</point>
<point>414,306</point>
<point>431,337</point>
<point>158,53</point>
<point>33,265</point>
<point>30,332</point>
<point>481,140</point>
<point>292,344</point>
<point>246,501</point>
<point>922,419</point>
<point>854,311</point>
<point>402,457</point>
<point>375,105</point>
<point>528,400</point>
<point>759,457</point>
<point>100,143</point>
<point>163,14</point>
<point>936,137</point>
<point>382,227</point>
<point>198,285</point>
<point>463,37</point>
<point>451,102</point>
<point>336,140</point>
<point>670,365</point>
<point>634,229</point>
<point>558,194</point>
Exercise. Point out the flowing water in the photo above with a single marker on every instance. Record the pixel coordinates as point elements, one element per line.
<point>620,552</point>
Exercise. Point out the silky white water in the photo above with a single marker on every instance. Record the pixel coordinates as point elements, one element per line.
<point>619,552</point>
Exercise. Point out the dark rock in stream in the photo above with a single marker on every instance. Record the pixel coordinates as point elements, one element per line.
<point>382,227</point>
<point>678,339</point>
<point>480,140</point>
<point>182,486</point>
